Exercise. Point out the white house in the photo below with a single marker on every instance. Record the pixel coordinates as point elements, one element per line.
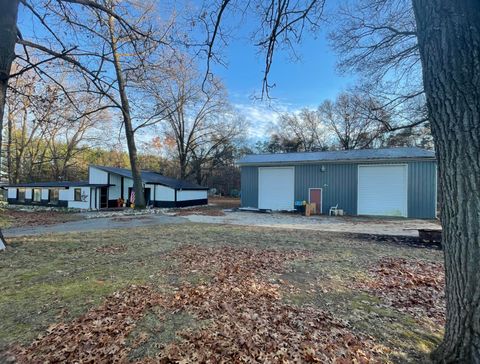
<point>107,187</point>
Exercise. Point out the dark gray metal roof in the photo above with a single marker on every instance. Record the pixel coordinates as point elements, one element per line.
<point>338,156</point>
<point>154,178</point>
<point>57,184</point>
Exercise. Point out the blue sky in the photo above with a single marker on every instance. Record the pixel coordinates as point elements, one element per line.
<point>303,83</point>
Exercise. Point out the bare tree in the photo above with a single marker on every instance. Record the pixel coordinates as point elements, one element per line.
<point>351,120</point>
<point>106,42</point>
<point>196,116</point>
<point>306,127</point>
<point>377,40</point>
<point>44,136</point>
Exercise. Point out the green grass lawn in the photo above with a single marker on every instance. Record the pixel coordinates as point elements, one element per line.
<point>57,278</point>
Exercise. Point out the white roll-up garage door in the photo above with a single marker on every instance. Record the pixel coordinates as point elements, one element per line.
<point>276,188</point>
<point>382,190</point>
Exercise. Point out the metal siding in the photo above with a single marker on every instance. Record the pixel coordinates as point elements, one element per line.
<point>338,183</point>
<point>422,190</point>
<point>249,186</point>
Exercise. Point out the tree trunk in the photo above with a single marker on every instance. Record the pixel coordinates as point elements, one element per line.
<point>127,120</point>
<point>449,42</point>
<point>183,166</point>
<point>9,146</point>
<point>8,38</point>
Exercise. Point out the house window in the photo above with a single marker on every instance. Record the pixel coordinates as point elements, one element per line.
<point>37,195</point>
<point>78,194</point>
<point>21,195</point>
<point>53,196</point>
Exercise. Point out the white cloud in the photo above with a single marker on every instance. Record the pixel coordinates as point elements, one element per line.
<point>262,117</point>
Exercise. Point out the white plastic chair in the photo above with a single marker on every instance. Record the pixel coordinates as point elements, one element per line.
<point>333,210</point>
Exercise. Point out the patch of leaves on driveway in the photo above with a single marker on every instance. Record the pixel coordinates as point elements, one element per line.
<point>412,286</point>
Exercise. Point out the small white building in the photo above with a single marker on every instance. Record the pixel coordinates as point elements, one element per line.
<point>108,187</point>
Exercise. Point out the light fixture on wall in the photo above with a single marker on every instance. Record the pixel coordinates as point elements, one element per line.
<point>323,169</point>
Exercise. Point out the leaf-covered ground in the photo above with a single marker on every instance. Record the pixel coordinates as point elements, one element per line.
<point>202,293</point>
<point>10,218</point>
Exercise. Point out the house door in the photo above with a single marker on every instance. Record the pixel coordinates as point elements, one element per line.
<point>315,196</point>
<point>146,194</point>
<point>103,197</point>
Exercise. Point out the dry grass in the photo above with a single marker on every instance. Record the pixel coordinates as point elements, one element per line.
<point>57,279</point>
<point>10,218</point>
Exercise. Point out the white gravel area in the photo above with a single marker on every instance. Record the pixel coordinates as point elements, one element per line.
<point>366,225</point>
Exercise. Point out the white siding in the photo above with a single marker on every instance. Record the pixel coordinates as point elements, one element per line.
<point>382,190</point>
<point>97,176</point>
<point>84,204</point>
<point>12,193</point>
<point>44,193</point>
<point>114,192</point>
<point>163,193</point>
<point>64,195</point>
<point>28,193</point>
<point>191,195</point>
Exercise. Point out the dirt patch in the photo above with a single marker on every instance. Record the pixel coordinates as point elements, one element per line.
<point>215,207</point>
<point>224,202</point>
<point>412,286</point>
<point>111,249</point>
<point>199,211</point>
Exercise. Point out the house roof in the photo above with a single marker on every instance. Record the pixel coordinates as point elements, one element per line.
<point>154,178</point>
<point>57,184</point>
<point>338,156</point>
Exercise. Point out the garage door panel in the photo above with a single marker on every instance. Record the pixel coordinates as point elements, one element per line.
<point>276,188</point>
<point>382,190</point>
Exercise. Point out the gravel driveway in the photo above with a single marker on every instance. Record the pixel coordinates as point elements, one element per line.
<point>366,225</point>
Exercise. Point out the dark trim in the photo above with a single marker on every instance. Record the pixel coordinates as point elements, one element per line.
<point>122,185</point>
<point>164,203</point>
<point>191,203</point>
<point>180,203</point>
<point>112,203</point>
<point>192,189</point>
<point>175,195</point>
<point>62,203</point>
<point>108,189</point>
